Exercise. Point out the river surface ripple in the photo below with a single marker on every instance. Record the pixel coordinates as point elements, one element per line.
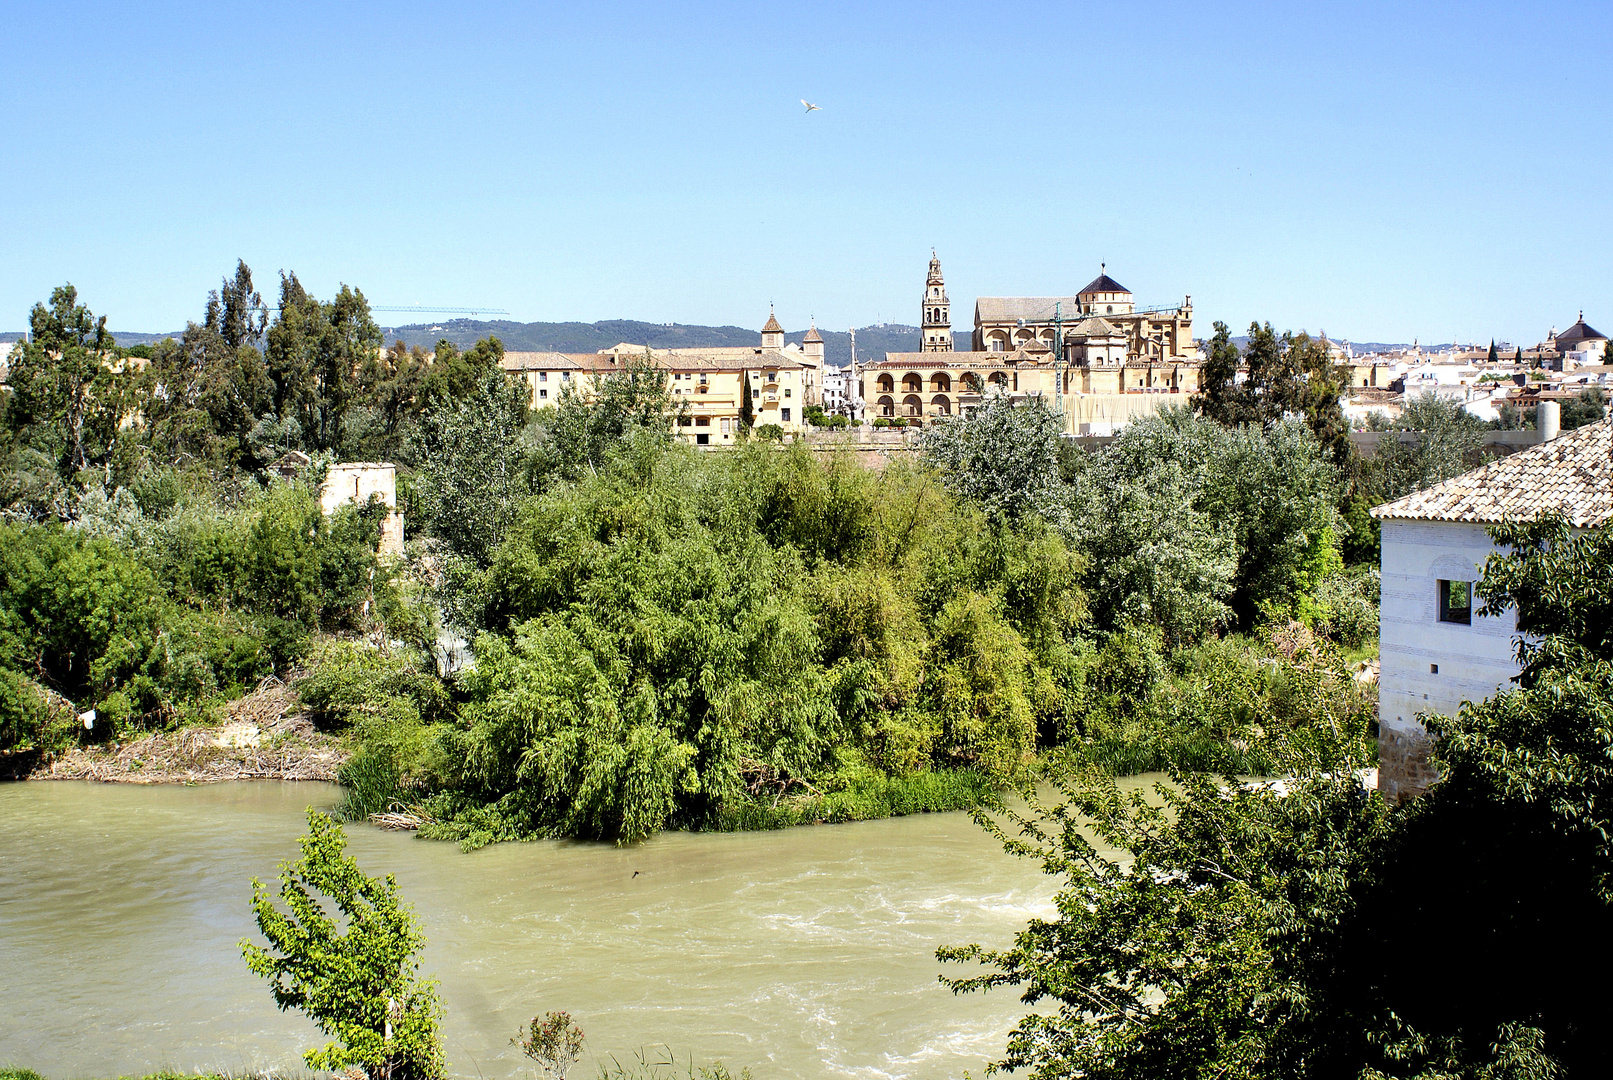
<point>806,952</point>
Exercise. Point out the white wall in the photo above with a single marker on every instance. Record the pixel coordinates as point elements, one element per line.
<point>1474,661</point>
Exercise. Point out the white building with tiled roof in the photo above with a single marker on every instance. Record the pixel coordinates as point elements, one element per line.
<point>1435,650</point>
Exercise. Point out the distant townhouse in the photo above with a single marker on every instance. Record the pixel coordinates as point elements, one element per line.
<point>718,391</point>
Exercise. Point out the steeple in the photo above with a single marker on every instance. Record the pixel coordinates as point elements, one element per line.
<point>936,318</point>
<point>772,333</point>
<point>812,344</point>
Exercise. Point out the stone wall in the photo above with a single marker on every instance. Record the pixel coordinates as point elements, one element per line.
<point>356,481</point>
<point>1405,768</point>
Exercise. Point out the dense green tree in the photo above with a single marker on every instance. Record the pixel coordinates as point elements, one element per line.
<point>1004,456</point>
<point>473,462</point>
<point>1288,375</point>
<point>1220,397</point>
<point>203,395</point>
<point>314,355</point>
<point>1494,356</point>
<point>1262,496</point>
<point>1243,930</point>
<point>589,423</point>
<point>68,395</point>
<point>1449,441</point>
<point>453,375</point>
<point>352,970</point>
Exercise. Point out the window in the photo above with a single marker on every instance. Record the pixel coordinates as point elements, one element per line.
<point>702,421</point>
<point>1456,602</point>
<point>566,375</point>
<point>702,439</point>
<point>543,376</point>
<point>543,393</point>
<point>786,415</point>
<point>786,391</point>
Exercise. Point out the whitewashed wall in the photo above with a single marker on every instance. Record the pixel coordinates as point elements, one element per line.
<point>1474,661</point>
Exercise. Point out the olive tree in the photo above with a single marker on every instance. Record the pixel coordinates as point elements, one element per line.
<point>1004,456</point>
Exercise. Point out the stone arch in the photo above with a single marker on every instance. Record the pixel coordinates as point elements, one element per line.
<point>996,341</point>
<point>912,383</point>
<point>941,381</point>
<point>971,383</point>
<point>913,405</point>
<point>999,378</point>
<point>1021,336</point>
<point>887,406</point>
<point>941,405</point>
<point>886,384</point>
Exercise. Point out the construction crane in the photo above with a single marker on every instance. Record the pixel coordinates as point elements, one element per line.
<point>417,309</point>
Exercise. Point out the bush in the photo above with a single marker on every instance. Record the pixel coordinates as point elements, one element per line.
<point>358,984</point>
<point>1348,604</point>
<point>882,421</point>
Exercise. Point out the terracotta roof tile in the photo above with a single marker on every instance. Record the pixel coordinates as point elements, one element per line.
<point>1571,475</point>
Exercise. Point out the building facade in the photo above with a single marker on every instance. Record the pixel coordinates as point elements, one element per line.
<point>1147,335</point>
<point>1093,356</point>
<point>717,392</point>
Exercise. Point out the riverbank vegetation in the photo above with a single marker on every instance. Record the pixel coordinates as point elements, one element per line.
<point>1307,929</point>
<point>661,637</point>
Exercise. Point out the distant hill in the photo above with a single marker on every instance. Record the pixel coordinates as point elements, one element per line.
<point>873,342</point>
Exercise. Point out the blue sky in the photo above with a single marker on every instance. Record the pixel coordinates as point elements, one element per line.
<point>1380,171</point>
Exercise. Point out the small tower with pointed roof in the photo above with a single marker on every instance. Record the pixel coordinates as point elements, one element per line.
<point>936,320</point>
<point>812,344</point>
<point>772,333</point>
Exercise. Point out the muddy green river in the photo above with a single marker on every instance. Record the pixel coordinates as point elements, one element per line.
<point>802,953</point>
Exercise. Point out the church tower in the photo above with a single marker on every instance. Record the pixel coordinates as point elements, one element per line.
<point>772,333</point>
<point>937,319</point>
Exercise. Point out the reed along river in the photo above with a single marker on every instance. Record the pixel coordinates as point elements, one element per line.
<point>806,952</point>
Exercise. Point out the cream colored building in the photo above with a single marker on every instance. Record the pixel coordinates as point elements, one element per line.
<point>1117,363</point>
<point>1150,335</point>
<point>718,391</point>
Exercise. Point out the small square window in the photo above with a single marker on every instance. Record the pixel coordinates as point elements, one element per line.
<point>1456,602</point>
<point>543,393</point>
<point>786,414</point>
<point>543,376</point>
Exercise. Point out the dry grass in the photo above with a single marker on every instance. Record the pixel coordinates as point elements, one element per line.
<point>262,740</point>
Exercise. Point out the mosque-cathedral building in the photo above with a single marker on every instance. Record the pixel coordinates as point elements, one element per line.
<point>1096,355</point>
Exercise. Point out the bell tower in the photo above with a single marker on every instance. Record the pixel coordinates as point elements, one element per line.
<point>936,322</point>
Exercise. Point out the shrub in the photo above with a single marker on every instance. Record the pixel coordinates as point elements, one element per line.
<point>358,984</point>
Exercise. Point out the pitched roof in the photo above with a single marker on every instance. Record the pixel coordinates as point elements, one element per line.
<point>1029,308</point>
<point>772,326</point>
<point>1095,327</point>
<point>1577,333</point>
<point>1105,283</point>
<point>812,335</point>
<point>1572,475</point>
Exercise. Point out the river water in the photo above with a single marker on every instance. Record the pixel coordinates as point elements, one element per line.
<point>806,952</point>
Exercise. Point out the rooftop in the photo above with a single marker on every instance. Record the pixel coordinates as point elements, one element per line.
<point>1103,283</point>
<point>1572,475</point>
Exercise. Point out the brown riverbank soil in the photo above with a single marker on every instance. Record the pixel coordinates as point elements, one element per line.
<point>263,738</point>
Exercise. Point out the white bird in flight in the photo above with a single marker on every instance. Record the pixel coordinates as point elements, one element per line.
<point>809,106</point>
